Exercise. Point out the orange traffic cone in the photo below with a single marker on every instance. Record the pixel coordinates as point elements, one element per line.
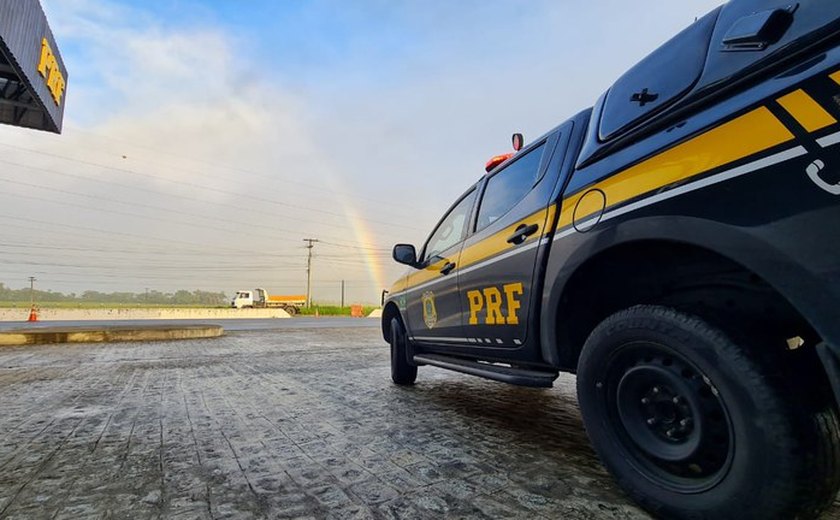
<point>33,314</point>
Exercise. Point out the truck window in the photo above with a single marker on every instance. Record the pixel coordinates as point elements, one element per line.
<point>452,229</point>
<point>508,186</point>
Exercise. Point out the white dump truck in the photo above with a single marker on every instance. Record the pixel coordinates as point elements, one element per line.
<point>260,299</point>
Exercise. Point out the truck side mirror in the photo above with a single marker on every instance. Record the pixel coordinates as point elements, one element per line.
<point>405,254</point>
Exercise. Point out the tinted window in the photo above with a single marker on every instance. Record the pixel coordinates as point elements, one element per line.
<point>509,186</point>
<point>452,229</point>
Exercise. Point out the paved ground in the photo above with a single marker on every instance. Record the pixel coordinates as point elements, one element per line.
<point>283,424</point>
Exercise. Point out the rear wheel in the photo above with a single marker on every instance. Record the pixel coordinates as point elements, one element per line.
<point>695,425</point>
<point>402,373</point>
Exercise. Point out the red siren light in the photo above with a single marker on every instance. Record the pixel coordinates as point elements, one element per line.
<point>497,160</point>
<point>518,142</point>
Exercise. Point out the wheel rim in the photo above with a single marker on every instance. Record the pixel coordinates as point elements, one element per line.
<point>669,417</point>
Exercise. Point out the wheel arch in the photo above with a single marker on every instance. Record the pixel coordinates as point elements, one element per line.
<point>389,312</point>
<point>640,261</point>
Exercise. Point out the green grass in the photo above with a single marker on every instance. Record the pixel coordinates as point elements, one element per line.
<point>334,310</point>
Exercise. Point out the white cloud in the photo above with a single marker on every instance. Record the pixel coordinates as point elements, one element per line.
<point>391,126</point>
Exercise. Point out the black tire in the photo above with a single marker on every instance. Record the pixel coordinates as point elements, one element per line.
<point>694,425</point>
<point>402,372</point>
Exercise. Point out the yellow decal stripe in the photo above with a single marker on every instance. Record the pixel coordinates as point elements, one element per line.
<point>424,275</point>
<point>742,137</point>
<point>806,111</point>
<point>497,242</point>
<point>835,77</point>
<point>490,246</point>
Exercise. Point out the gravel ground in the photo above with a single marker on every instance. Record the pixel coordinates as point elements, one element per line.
<point>284,424</point>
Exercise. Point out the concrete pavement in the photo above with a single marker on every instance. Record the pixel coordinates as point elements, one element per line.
<point>293,423</point>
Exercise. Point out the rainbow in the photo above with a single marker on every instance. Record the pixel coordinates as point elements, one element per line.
<point>364,237</point>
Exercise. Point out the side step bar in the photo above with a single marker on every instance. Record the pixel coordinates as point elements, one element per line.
<point>512,375</point>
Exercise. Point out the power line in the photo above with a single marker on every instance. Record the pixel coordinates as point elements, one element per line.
<point>237,207</point>
<point>195,186</point>
<point>134,252</point>
<point>117,233</point>
<point>234,168</point>
<point>350,246</point>
<point>149,217</point>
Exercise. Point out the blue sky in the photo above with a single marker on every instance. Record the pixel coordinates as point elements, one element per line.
<point>196,130</point>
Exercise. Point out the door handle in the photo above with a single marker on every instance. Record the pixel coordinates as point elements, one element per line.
<point>447,268</point>
<point>522,232</point>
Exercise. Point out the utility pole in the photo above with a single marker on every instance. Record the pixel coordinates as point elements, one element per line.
<point>32,290</point>
<point>342,294</point>
<point>310,243</point>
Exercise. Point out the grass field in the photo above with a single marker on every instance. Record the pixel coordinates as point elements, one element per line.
<point>334,310</point>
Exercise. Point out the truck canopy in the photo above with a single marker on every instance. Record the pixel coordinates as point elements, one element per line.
<point>721,51</point>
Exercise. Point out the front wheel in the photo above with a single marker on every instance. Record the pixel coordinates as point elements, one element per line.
<point>402,373</point>
<point>695,425</point>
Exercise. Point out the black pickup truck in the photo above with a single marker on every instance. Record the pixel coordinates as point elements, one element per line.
<point>677,246</point>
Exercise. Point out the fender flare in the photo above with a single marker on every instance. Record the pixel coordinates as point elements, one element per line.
<point>783,274</point>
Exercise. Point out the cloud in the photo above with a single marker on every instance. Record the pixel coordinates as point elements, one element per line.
<point>169,139</point>
<point>357,123</point>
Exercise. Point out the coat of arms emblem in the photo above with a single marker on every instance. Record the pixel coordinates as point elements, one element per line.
<point>429,311</point>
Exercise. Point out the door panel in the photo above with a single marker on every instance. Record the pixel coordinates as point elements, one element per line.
<point>432,303</point>
<point>498,259</point>
<point>433,307</point>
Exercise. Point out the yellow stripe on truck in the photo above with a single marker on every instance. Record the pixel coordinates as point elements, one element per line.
<point>835,77</point>
<point>497,242</point>
<point>429,273</point>
<point>806,111</point>
<point>490,246</point>
<point>742,137</point>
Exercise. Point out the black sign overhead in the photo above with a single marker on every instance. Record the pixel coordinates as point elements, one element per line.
<point>33,79</point>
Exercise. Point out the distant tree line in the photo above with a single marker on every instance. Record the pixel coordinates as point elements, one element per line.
<point>181,297</point>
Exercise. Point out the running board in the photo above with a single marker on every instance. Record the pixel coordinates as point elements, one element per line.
<point>512,375</point>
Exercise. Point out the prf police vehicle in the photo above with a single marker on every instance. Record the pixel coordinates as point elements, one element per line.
<point>678,248</point>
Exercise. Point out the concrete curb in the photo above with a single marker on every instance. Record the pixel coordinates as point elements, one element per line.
<point>42,336</point>
<point>21,313</point>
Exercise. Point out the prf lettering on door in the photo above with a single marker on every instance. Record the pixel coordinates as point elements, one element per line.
<point>491,299</point>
